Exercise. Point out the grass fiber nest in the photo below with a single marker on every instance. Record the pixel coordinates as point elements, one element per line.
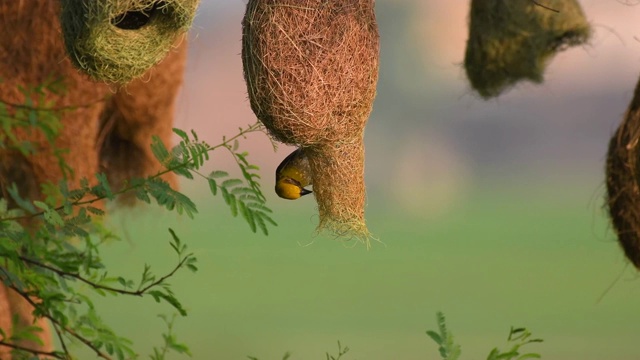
<point>311,68</point>
<point>623,179</point>
<point>513,40</point>
<point>118,40</point>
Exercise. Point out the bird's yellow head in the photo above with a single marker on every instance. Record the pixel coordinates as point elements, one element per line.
<point>292,175</point>
<point>290,189</point>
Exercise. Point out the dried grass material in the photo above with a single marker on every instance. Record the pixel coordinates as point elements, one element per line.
<point>623,194</point>
<point>513,40</point>
<point>338,184</point>
<point>118,40</point>
<point>311,68</point>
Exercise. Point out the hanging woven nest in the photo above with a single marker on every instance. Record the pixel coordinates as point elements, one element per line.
<point>623,178</point>
<point>513,40</point>
<point>311,68</point>
<point>118,40</point>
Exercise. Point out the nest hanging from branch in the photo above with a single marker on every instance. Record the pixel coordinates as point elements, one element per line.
<point>118,40</point>
<point>311,69</point>
<point>623,181</point>
<point>513,40</point>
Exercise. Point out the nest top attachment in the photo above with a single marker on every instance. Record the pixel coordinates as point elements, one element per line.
<point>118,40</point>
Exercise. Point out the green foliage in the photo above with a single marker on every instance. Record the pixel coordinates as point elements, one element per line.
<point>449,350</point>
<point>36,114</point>
<point>170,342</point>
<point>61,266</point>
<point>51,247</point>
<point>341,352</point>
<point>518,337</point>
<point>243,196</point>
<point>286,356</point>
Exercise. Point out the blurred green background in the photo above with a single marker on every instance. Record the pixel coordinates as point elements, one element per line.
<point>488,211</point>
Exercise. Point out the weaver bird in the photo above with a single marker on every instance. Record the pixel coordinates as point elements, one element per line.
<point>292,175</point>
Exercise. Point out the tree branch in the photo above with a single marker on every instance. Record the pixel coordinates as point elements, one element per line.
<point>78,277</point>
<point>53,354</point>
<point>65,329</point>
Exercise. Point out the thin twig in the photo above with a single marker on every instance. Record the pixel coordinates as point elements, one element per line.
<point>60,338</point>
<point>54,109</point>
<point>545,6</point>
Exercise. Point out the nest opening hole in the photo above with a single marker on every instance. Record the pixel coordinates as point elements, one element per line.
<point>134,20</point>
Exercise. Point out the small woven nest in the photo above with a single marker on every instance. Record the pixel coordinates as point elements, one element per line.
<point>513,40</point>
<point>311,68</point>
<point>118,40</point>
<point>623,177</point>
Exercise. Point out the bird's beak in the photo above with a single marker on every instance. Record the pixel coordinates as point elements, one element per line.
<point>304,192</point>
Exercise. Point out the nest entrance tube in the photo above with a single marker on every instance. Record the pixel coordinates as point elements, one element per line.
<point>311,68</point>
<point>338,180</point>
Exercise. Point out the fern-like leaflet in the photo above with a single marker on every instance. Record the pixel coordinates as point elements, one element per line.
<point>242,195</point>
